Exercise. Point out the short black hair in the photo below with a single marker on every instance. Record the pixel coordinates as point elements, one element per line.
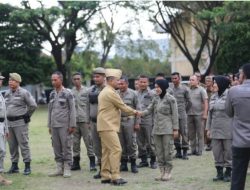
<point>77,73</point>
<point>160,75</point>
<point>246,70</point>
<point>125,78</point>
<point>59,74</point>
<point>175,73</point>
<point>143,76</point>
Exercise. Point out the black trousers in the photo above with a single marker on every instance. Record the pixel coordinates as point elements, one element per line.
<point>241,158</point>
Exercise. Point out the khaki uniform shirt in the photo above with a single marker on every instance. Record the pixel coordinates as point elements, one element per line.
<point>19,103</point>
<point>81,103</point>
<point>110,106</point>
<point>165,114</point>
<point>62,111</point>
<point>218,122</point>
<point>3,125</point>
<point>198,96</point>
<point>183,99</point>
<point>145,98</point>
<point>130,98</point>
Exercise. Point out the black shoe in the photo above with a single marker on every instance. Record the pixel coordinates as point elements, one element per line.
<point>105,181</point>
<point>219,176</point>
<point>185,156</point>
<point>76,163</point>
<point>124,165</point>
<point>143,163</point>
<point>97,176</point>
<point>118,182</point>
<point>193,153</point>
<point>208,148</point>
<point>92,163</point>
<point>178,153</point>
<point>133,166</point>
<point>153,163</point>
<point>227,175</point>
<point>14,168</point>
<point>27,170</point>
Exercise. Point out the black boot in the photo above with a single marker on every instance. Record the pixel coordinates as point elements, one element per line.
<point>124,165</point>
<point>219,173</point>
<point>27,169</point>
<point>76,163</point>
<point>98,175</point>
<point>153,163</point>
<point>143,163</point>
<point>14,168</point>
<point>92,163</point>
<point>185,156</point>
<point>178,153</point>
<point>133,166</point>
<point>227,174</point>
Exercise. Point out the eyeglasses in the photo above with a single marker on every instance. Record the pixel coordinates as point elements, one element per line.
<point>76,79</point>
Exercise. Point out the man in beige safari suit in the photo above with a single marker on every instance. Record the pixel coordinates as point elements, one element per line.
<point>108,125</point>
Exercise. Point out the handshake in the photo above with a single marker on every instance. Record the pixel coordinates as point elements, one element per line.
<point>138,113</point>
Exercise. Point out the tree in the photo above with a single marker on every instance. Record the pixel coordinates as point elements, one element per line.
<point>20,49</point>
<point>59,26</point>
<point>233,18</point>
<point>172,16</point>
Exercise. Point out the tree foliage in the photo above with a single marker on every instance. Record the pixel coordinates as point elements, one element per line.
<point>21,48</point>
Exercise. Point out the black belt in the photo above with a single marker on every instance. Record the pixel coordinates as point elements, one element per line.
<point>15,118</point>
<point>2,120</point>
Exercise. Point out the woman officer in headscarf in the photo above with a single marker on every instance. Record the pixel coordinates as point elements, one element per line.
<point>219,129</point>
<point>165,129</point>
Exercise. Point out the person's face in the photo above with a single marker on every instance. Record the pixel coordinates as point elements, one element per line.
<point>123,85</point>
<point>136,84</point>
<point>98,79</point>
<point>56,81</point>
<point>175,79</point>
<point>208,83</point>
<point>114,83</point>
<point>77,80</point>
<point>13,84</point>
<point>198,75</point>
<point>241,77</point>
<point>1,82</point>
<point>193,81</point>
<point>215,87</point>
<point>143,83</point>
<point>158,89</point>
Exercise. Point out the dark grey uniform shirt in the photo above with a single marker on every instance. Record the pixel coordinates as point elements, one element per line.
<point>238,107</point>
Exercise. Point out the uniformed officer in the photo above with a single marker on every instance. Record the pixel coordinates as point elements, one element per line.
<point>209,89</point>
<point>20,106</point>
<point>127,133</point>
<point>165,111</point>
<point>197,114</point>
<point>99,84</point>
<point>3,134</point>
<point>219,129</point>
<point>182,96</point>
<point>80,93</point>
<point>61,123</point>
<point>144,135</point>
<point>108,126</point>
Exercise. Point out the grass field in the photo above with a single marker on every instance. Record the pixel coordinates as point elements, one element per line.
<point>194,174</point>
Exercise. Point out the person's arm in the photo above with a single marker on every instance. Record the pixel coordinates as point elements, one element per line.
<point>150,108</point>
<point>30,102</point>
<point>205,103</point>
<point>188,100</point>
<point>228,105</point>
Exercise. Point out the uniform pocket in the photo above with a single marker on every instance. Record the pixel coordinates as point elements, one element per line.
<point>62,102</point>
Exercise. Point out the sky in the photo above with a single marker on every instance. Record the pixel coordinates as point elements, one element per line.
<point>147,28</point>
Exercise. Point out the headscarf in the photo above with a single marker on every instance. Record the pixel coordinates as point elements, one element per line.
<point>163,84</point>
<point>222,83</point>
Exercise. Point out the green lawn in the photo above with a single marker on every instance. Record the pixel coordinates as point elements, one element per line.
<point>194,174</point>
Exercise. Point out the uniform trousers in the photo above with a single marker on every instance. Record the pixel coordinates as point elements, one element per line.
<point>127,138</point>
<point>18,137</point>
<point>196,133</point>
<point>96,142</point>
<point>164,150</point>
<point>111,155</point>
<point>82,130</point>
<point>222,151</point>
<point>62,144</point>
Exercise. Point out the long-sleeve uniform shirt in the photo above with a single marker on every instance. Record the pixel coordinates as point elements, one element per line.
<point>3,123</point>
<point>62,109</point>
